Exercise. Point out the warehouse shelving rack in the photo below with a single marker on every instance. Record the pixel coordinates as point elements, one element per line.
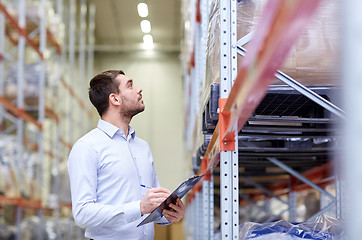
<point>236,105</point>
<point>52,140</point>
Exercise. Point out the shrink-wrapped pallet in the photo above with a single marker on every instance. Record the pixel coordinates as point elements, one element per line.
<point>32,73</point>
<point>33,17</point>
<point>312,60</point>
<point>17,178</point>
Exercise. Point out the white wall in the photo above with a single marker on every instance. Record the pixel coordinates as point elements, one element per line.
<point>161,124</point>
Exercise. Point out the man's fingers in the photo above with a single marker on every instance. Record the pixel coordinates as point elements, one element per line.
<point>177,211</point>
<point>157,198</point>
<point>153,198</point>
<point>170,213</point>
<point>171,216</point>
<point>181,204</point>
<point>157,195</point>
<point>160,190</point>
<point>178,207</point>
<point>157,201</point>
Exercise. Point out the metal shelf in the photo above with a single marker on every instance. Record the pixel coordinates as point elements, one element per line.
<point>244,116</point>
<point>23,40</point>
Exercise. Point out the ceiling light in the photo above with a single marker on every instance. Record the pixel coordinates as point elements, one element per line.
<point>142,9</point>
<point>146,26</point>
<point>148,41</point>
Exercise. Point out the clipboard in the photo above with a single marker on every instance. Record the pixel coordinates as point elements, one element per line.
<point>181,191</point>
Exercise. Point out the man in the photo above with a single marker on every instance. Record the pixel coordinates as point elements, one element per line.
<point>108,165</point>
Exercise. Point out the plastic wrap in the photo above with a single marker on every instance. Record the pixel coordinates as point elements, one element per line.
<point>33,16</point>
<point>212,54</point>
<point>49,228</point>
<point>312,60</point>
<point>9,180</point>
<point>7,232</point>
<point>323,228</point>
<point>31,84</point>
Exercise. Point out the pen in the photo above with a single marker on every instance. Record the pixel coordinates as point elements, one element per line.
<point>142,185</point>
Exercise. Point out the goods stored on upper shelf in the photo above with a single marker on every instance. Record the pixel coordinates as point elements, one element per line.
<point>33,15</point>
<point>313,60</point>
<point>272,137</point>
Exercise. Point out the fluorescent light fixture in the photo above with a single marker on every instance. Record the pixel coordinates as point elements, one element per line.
<point>142,9</point>
<point>146,26</point>
<point>148,41</point>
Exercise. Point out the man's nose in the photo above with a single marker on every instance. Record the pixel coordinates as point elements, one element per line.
<point>139,90</point>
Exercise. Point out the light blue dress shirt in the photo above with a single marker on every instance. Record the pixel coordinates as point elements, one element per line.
<point>106,169</point>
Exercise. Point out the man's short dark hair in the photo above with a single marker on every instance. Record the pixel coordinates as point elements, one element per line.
<point>101,86</point>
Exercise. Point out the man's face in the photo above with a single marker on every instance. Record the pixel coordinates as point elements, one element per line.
<point>130,97</point>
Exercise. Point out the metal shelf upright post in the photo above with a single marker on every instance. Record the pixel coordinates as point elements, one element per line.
<point>71,69</point>
<point>56,147</point>
<point>20,105</point>
<point>199,214</point>
<point>2,63</point>
<point>193,79</point>
<point>207,190</point>
<point>71,101</point>
<point>41,102</point>
<point>292,201</point>
<point>229,173</point>
<point>90,48</point>
<point>81,70</point>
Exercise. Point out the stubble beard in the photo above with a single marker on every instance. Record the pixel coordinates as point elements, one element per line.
<point>130,113</point>
<point>132,110</point>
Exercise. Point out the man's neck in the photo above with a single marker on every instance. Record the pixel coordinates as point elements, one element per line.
<point>121,123</point>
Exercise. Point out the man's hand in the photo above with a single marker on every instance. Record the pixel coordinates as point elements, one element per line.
<point>177,211</point>
<point>153,198</point>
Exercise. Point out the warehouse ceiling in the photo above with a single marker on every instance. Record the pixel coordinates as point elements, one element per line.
<point>118,25</point>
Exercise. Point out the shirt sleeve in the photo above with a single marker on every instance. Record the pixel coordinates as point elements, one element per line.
<point>82,168</point>
<point>163,221</point>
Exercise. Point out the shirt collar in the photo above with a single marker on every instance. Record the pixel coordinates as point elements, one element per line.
<point>131,132</point>
<point>111,130</point>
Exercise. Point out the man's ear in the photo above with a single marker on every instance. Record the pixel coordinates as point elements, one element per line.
<point>114,99</point>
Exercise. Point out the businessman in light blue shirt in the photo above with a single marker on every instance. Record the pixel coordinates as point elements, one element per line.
<point>108,165</point>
